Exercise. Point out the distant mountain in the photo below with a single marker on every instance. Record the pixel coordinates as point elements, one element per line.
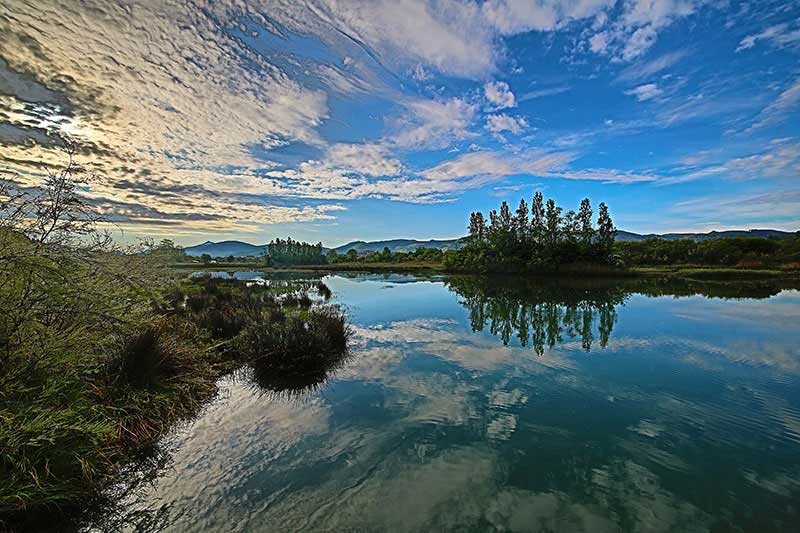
<point>243,249</point>
<point>225,249</point>
<point>400,245</point>
<point>625,236</point>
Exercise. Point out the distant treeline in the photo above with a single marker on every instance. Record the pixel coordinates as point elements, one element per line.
<point>744,252</point>
<point>541,237</point>
<point>290,252</point>
<point>421,254</point>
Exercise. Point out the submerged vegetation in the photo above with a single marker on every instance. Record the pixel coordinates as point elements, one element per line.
<point>102,349</point>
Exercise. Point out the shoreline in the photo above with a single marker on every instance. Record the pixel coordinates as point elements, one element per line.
<point>201,388</point>
<point>688,272</point>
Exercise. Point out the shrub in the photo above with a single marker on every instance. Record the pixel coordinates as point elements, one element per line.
<point>299,352</point>
<point>156,353</point>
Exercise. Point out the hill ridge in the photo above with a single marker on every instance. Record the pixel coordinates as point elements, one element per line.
<point>244,249</point>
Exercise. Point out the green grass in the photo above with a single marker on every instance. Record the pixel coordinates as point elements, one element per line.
<point>713,273</point>
<point>354,266</point>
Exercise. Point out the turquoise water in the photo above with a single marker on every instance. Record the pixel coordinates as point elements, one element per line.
<point>480,404</point>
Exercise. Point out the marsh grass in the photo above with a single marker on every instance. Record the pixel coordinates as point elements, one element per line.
<point>76,409</point>
<point>299,352</point>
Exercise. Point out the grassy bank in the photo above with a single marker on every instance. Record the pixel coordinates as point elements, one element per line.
<point>354,266</point>
<point>699,272</point>
<point>102,355</point>
<point>714,273</point>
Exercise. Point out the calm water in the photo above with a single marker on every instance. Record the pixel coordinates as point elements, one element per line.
<point>478,404</point>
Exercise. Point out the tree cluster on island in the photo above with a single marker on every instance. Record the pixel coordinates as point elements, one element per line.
<point>538,237</point>
<point>292,252</point>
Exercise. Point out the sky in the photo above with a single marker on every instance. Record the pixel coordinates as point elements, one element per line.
<point>341,120</point>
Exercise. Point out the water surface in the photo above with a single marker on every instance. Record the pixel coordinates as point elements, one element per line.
<point>479,404</point>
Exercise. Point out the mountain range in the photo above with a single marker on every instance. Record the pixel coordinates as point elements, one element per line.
<point>243,249</point>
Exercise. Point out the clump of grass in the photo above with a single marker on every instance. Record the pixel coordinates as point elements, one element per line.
<point>301,300</point>
<point>299,352</point>
<point>324,291</point>
<point>156,354</point>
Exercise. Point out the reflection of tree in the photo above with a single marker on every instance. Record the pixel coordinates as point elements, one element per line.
<point>540,314</point>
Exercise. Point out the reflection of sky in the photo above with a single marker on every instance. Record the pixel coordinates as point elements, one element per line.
<point>434,427</point>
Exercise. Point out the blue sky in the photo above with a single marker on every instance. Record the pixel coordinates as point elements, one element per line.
<point>336,121</point>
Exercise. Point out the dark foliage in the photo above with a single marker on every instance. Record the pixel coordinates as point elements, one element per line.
<point>291,252</point>
<point>535,239</point>
<point>541,313</point>
<point>299,352</point>
<point>744,252</point>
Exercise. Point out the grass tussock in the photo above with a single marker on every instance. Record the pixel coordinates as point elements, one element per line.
<point>298,352</point>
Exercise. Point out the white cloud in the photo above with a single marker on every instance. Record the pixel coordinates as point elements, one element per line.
<point>639,42</point>
<point>501,123</point>
<point>781,160</point>
<point>550,91</point>
<point>433,123</point>
<point>636,30</point>
<point>775,209</point>
<point>645,92</point>
<point>499,95</point>
<point>778,110</point>
<point>495,165</point>
<point>779,35</point>
<point>420,74</point>
<point>647,69</point>
<point>516,16</point>
<point>367,159</point>
<point>154,107</point>
<point>598,43</point>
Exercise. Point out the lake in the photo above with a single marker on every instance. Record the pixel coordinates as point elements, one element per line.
<point>504,404</point>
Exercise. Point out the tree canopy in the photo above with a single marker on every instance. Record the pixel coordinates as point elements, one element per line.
<point>541,236</point>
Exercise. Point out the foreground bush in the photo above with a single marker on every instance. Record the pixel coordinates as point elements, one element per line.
<point>297,352</point>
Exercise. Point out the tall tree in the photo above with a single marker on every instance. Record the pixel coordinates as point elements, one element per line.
<point>537,218</point>
<point>552,221</point>
<point>606,232</point>
<point>494,227</point>
<point>477,227</point>
<point>570,228</point>
<point>505,217</point>
<point>521,226</point>
<point>585,221</point>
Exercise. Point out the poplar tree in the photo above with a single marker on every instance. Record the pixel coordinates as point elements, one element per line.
<point>521,222</point>
<point>552,222</point>
<point>537,218</point>
<point>585,220</point>
<point>606,231</point>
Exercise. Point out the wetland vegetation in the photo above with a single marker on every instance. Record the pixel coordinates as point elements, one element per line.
<point>103,348</point>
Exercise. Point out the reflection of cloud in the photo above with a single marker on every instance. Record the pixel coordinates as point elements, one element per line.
<point>783,484</point>
<point>442,338</point>
<point>214,455</point>
<point>649,506</point>
<point>502,426</point>
<point>371,363</point>
<point>647,428</point>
